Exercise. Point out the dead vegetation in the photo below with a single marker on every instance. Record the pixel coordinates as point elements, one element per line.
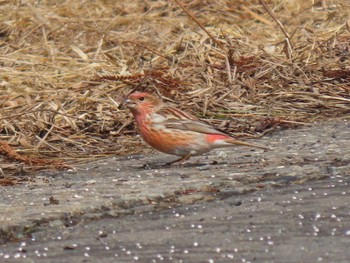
<point>247,67</point>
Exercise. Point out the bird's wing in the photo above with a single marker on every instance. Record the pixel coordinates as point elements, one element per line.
<point>173,118</point>
<point>190,125</point>
<point>173,113</point>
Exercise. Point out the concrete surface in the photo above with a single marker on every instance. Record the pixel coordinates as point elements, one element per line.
<point>116,210</point>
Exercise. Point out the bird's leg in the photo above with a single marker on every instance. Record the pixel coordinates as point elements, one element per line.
<point>181,160</point>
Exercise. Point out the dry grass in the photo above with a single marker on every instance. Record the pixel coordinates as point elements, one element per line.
<point>66,66</point>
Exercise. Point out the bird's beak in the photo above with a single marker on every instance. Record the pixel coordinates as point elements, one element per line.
<point>129,104</point>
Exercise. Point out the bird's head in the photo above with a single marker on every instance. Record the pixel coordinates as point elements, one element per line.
<point>142,102</point>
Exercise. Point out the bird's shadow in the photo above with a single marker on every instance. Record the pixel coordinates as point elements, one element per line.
<point>157,165</point>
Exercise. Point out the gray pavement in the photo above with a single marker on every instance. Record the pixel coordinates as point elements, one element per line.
<point>289,204</point>
<point>301,223</point>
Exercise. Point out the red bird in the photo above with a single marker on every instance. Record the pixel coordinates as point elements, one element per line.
<point>176,132</point>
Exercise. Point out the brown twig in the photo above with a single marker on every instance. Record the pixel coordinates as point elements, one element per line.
<point>171,59</point>
<point>289,45</point>
<point>11,154</point>
<point>199,24</point>
<point>279,23</point>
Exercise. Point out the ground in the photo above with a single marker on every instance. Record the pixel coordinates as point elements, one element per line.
<point>288,204</point>
<point>257,69</point>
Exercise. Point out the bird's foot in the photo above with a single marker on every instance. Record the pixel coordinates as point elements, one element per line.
<point>179,161</point>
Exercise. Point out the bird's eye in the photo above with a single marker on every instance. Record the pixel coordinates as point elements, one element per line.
<point>142,98</point>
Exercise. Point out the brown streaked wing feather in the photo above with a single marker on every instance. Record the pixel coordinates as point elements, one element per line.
<point>180,120</point>
<point>195,126</point>
<point>173,113</point>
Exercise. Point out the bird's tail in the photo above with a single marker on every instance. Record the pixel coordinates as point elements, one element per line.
<point>237,142</point>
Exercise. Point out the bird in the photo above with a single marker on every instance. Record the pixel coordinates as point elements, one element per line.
<point>176,132</point>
